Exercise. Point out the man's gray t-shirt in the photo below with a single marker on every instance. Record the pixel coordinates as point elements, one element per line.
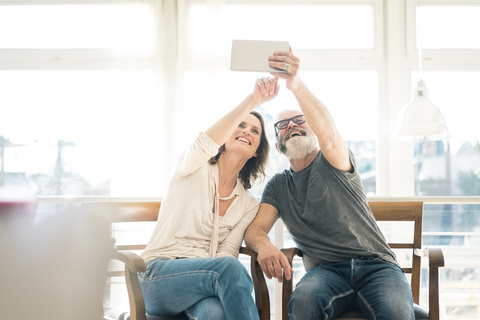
<point>327,214</point>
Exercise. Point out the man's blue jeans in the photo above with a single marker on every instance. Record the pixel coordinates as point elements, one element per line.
<point>204,288</point>
<point>377,288</point>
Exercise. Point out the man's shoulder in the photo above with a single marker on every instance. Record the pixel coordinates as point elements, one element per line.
<point>275,184</point>
<point>279,176</point>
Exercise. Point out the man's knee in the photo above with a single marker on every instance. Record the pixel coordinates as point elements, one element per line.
<point>398,306</point>
<point>392,310</point>
<point>305,291</point>
<point>303,304</point>
<point>388,302</point>
<point>314,300</point>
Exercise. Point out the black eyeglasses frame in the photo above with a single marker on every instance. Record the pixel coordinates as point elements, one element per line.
<point>275,125</point>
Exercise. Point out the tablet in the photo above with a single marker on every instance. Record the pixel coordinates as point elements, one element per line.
<point>252,55</point>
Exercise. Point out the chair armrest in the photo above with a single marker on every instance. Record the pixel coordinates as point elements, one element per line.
<point>435,261</point>
<point>132,260</point>
<point>262,298</point>
<point>249,252</point>
<point>288,284</point>
<point>290,253</point>
<point>133,265</point>
<point>435,258</point>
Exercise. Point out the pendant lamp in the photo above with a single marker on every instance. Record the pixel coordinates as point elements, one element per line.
<point>421,119</point>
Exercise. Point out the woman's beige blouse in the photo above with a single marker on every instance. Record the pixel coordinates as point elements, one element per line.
<point>188,224</point>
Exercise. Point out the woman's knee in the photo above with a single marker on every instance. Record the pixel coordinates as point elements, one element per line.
<point>206,309</point>
<point>233,266</point>
<point>235,273</point>
<point>230,263</point>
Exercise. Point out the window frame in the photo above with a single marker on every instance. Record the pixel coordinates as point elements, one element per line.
<point>438,59</point>
<point>73,59</point>
<point>324,59</point>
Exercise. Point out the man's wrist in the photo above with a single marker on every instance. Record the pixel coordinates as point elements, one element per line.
<point>265,244</point>
<point>297,86</point>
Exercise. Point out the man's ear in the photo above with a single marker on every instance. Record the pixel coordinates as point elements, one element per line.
<point>276,147</point>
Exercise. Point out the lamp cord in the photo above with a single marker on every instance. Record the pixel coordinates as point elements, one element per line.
<point>419,41</point>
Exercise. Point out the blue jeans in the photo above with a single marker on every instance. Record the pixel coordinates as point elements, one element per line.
<point>202,288</point>
<point>377,288</point>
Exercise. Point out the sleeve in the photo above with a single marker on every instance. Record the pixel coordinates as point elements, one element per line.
<point>269,194</point>
<point>351,178</point>
<point>196,155</point>
<point>231,244</point>
<point>353,161</point>
<point>354,177</point>
<point>349,175</point>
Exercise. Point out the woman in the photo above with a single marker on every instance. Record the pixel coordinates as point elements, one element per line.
<point>192,264</point>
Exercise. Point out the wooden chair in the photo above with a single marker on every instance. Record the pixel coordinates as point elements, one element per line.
<point>148,211</point>
<point>394,211</point>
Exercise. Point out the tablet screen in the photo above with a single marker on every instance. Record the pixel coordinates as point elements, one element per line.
<point>252,55</point>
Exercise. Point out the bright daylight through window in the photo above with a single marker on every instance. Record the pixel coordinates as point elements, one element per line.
<point>79,132</point>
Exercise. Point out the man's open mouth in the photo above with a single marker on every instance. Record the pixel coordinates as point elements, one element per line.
<point>295,133</point>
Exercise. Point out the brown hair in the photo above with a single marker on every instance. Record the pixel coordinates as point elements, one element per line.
<point>254,169</point>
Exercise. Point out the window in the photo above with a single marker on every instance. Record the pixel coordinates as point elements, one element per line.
<point>446,34</point>
<point>123,28</point>
<point>450,168</point>
<point>318,26</point>
<point>448,27</point>
<point>93,128</point>
<point>80,101</point>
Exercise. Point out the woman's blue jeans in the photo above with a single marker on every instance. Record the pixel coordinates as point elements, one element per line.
<point>377,288</point>
<point>204,288</point>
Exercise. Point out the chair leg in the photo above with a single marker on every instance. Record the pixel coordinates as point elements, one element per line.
<point>135,296</point>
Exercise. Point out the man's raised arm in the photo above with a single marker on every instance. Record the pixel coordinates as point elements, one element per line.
<point>318,117</point>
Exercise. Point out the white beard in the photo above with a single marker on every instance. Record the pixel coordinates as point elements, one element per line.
<point>298,147</point>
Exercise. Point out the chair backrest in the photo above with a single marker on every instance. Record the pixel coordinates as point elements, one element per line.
<point>117,212</point>
<point>404,211</point>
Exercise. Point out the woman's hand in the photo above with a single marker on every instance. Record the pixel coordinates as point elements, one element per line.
<point>265,89</point>
<point>285,60</point>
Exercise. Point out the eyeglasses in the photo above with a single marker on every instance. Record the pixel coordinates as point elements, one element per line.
<point>282,124</point>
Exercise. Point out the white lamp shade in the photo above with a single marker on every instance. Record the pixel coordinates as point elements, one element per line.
<point>421,119</point>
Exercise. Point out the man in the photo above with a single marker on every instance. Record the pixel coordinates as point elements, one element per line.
<point>321,201</point>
